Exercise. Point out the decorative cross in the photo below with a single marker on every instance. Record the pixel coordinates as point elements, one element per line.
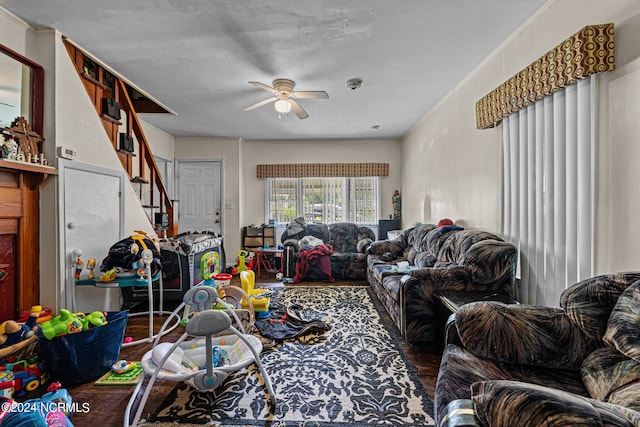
<point>28,140</point>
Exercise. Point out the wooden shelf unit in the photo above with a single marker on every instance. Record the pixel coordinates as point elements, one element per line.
<point>258,236</point>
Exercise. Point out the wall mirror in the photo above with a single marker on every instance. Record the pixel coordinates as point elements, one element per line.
<point>21,89</point>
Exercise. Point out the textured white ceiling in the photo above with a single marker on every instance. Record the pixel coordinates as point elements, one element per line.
<point>197,56</point>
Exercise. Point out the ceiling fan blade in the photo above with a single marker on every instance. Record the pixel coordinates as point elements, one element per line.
<point>264,86</point>
<point>296,108</point>
<point>261,103</point>
<point>305,94</point>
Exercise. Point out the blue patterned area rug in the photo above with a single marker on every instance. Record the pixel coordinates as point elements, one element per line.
<point>351,375</point>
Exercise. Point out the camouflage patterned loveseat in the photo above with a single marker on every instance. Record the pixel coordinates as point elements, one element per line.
<point>440,259</point>
<point>349,242</point>
<point>531,366</point>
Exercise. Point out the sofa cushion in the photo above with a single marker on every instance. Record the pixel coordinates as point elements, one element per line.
<point>502,403</point>
<point>344,237</point>
<point>433,242</point>
<point>606,370</point>
<point>623,327</point>
<point>589,302</point>
<point>456,245</point>
<point>518,333</point>
<point>460,368</point>
<point>321,231</point>
<point>490,260</point>
<point>627,396</point>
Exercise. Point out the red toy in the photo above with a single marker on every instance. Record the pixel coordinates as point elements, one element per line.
<point>27,375</point>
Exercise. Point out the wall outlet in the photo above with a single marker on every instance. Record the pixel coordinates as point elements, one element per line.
<point>66,153</point>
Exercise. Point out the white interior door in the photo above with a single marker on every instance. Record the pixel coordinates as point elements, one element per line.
<point>91,222</point>
<point>199,184</point>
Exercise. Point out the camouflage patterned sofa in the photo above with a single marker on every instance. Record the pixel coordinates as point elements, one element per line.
<point>446,258</point>
<point>576,365</point>
<point>349,242</point>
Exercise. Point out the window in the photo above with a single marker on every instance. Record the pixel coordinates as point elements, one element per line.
<point>325,200</point>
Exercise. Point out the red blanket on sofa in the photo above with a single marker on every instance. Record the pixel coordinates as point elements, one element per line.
<point>317,256</point>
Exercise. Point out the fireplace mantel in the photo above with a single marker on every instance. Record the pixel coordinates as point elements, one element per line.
<point>20,217</point>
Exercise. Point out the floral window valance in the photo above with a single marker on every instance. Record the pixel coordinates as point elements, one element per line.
<point>302,170</point>
<point>591,50</point>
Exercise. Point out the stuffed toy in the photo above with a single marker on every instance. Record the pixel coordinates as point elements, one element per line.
<point>12,332</point>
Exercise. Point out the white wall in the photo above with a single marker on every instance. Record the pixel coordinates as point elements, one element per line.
<point>162,144</point>
<point>70,120</point>
<point>453,169</point>
<point>330,151</point>
<point>243,192</point>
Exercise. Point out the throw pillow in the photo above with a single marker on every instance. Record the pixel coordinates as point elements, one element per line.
<point>624,323</point>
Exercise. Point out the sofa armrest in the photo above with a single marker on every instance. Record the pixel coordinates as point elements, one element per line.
<point>380,247</point>
<point>522,404</point>
<point>522,334</point>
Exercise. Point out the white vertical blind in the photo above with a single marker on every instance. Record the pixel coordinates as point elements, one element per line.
<point>548,197</point>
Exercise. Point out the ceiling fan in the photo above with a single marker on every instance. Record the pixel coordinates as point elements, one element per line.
<point>285,97</point>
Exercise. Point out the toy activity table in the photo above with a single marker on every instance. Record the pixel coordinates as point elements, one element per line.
<point>129,281</point>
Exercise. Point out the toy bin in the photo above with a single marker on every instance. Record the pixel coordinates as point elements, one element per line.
<point>85,356</point>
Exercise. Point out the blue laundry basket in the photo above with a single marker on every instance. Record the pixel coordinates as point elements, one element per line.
<point>79,358</point>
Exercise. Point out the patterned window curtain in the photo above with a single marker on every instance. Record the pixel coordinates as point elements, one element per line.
<point>548,158</point>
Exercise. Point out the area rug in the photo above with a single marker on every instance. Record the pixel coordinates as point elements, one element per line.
<point>352,375</point>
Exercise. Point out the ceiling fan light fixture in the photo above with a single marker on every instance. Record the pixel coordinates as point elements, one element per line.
<point>282,106</point>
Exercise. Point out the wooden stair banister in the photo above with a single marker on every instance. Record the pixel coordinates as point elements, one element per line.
<point>149,172</point>
<point>146,158</point>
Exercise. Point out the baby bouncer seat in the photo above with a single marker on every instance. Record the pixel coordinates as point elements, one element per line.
<point>205,361</point>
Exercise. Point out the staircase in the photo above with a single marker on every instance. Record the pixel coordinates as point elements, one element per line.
<point>118,105</point>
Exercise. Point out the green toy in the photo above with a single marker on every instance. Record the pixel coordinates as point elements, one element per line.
<point>71,323</point>
<point>209,266</point>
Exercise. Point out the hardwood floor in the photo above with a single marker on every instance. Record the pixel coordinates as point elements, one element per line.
<point>107,404</point>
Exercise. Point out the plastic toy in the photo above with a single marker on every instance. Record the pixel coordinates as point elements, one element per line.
<point>23,375</point>
<point>71,323</point>
<point>93,319</point>
<point>12,332</point>
<point>109,275</point>
<point>260,298</point>
<point>79,267</point>
<point>245,261</point>
<point>6,384</point>
<point>209,266</point>
<point>122,366</point>
<point>45,315</point>
<point>91,265</point>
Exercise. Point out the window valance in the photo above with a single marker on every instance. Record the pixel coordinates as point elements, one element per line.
<point>302,170</point>
<point>591,50</point>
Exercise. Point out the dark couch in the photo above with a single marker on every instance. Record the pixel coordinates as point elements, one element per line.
<point>349,242</point>
<point>446,258</point>
<point>576,365</point>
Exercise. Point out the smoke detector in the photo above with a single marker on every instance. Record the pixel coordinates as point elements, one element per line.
<point>354,84</point>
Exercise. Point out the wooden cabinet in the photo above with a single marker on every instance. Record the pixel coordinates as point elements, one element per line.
<point>258,237</point>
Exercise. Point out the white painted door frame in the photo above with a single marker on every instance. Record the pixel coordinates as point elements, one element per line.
<point>63,293</point>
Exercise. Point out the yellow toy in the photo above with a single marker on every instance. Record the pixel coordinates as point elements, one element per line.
<point>245,261</point>
<point>91,264</point>
<point>259,297</point>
